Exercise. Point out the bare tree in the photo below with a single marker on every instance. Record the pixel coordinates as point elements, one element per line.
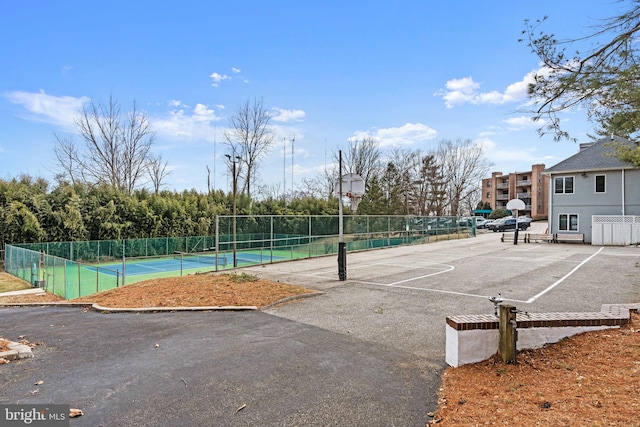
<point>471,201</point>
<point>463,167</point>
<point>116,149</point>
<point>430,194</point>
<point>158,172</point>
<point>406,163</point>
<point>250,138</point>
<point>363,158</point>
<point>312,187</point>
<point>66,154</point>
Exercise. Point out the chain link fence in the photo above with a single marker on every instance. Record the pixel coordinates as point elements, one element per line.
<point>73,269</point>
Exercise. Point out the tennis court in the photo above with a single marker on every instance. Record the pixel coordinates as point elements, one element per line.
<point>185,263</point>
<point>79,268</point>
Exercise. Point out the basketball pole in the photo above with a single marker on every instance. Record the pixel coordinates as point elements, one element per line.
<point>342,250</point>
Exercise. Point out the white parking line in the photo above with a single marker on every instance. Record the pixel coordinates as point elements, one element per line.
<point>431,266</point>
<point>530,249</point>
<point>535,297</point>
<point>440,291</point>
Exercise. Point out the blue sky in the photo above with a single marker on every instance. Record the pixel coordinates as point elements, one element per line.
<point>409,73</point>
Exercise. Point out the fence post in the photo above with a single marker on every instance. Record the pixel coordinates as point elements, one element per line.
<point>309,239</point>
<point>508,334</point>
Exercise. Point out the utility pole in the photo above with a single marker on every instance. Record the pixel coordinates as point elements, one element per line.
<point>234,161</point>
<point>292,140</point>
<point>284,169</point>
<point>342,249</point>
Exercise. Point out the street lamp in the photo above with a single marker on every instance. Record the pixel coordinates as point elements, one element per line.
<point>234,161</point>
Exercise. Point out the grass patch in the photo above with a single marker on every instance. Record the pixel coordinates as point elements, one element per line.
<point>243,278</point>
<point>10,283</point>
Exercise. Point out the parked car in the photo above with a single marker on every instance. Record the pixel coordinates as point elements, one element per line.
<point>504,224</point>
<point>481,222</point>
<point>524,218</point>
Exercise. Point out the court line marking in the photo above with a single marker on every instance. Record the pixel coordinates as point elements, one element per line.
<point>529,301</point>
<point>430,266</point>
<point>529,249</point>
<point>440,291</point>
<point>451,268</point>
<point>562,279</point>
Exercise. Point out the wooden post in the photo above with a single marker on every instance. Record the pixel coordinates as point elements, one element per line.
<point>508,334</point>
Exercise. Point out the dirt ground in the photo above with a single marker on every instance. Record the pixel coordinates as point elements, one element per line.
<point>592,379</point>
<point>195,290</point>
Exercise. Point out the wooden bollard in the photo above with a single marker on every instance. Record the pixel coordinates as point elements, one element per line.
<point>508,334</point>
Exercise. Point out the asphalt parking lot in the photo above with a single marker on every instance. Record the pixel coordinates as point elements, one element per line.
<point>369,351</point>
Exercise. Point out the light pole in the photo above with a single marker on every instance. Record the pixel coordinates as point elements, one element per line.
<point>235,189</point>
<point>342,247</point>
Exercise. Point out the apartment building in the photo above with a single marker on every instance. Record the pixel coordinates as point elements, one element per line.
<point>532,187</point>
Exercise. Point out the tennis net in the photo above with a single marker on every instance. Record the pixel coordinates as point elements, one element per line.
<point>201,258</point>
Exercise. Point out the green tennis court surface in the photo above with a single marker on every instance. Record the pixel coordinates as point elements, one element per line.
<point>184,261</point>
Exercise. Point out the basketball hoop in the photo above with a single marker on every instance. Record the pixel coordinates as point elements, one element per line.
<point>354,201</point>
<point>353,188</point>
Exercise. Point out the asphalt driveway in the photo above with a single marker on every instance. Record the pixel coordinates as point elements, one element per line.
<point>207,366</point>
<point>368,352</point>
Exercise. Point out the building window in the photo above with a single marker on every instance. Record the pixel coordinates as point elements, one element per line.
<point>568,222</point>
<point>488,194</point>
<point>488,184</point>
<point>564,185</point>
<point>600,183</point>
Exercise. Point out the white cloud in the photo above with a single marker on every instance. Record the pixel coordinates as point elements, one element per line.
<point>522,122</point>
<point>217,78</point>
<point>283,115</point>
<point>407,134</point>
<point>175,103</point>
<point>458,92</point>
<point>204,114</point>
<point>500,155</point>
<point>42,107</point>
<point>235,70</point>
<point>196,124</point>
<point>486,133</point>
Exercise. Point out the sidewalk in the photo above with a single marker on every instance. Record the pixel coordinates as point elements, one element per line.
<point>33,291</point>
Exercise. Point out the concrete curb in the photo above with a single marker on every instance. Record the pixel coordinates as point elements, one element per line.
<point>16,351</point>
<point>292,298</point>
<point>101,309</point>
<point>105,310</point>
